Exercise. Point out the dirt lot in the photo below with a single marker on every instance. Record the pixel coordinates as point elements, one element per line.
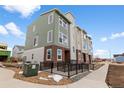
<point>115,75</point>
<point>35,79</point>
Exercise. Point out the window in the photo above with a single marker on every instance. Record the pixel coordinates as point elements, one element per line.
<point>60,37</point>
<point>85,45</point>
<point>73,49</point>
<point>34,28</point>
<point>50,19</point>
<point>36,41</point>
<point>63,23</point>
<point>49,54</point>
<point>59,54</point>
<point>63,39</point>
<point>50,36</point>
<point>32,57</point>
<point>60,21</point>
<point>84,36</point>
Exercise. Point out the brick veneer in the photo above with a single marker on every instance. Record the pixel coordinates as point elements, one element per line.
<point>54,52</point>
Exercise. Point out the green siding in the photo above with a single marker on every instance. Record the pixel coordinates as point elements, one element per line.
<point>5,53</point>
<point>59,29</point>
<point>42,27</point>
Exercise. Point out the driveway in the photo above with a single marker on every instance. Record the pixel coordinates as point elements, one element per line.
<point>96,79</point>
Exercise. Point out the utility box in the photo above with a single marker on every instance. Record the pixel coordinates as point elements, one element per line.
<point>30,69</point>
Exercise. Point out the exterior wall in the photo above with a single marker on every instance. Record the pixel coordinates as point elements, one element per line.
<point>72,37</point>
<point>78,39</point>
<point>58,29</point>
<point>75,39</point>
<point>54,53</point>
<point>37,52</point>
<point>41,29</point>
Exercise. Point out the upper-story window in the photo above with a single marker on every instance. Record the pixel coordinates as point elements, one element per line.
<point>35,43</point>
<point>73,49</point>
<point>49,36</point>
<point>59,54</point>
<point>63,39</point>
<point>60,38</point>
<point>60,21</point>
<point>63,23</point>
<point>85,36</point>
<point>84,45</point>
<point>50,19</point>
<point>34,28</point>
<point>49,54</point>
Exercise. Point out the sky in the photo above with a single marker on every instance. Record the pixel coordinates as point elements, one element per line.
<point>105,24</point>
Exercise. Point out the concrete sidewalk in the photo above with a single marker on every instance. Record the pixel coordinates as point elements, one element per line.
<point>96,79</point>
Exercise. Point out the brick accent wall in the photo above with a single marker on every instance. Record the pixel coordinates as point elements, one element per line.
<point>54,52</point>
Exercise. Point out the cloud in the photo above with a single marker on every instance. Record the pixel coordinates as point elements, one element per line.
<point>103,39</point>
<point>117,35</point>
<point>112,36</point>
<point>101,53</point>
<point>14,29</point>
<point>3,30</point>
<point>25,10</point>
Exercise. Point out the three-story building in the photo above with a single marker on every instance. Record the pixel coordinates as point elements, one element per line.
<point>55,37</point>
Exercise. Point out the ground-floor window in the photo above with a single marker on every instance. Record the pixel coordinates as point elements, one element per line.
<point>59,54</point>
<point>49,54</point>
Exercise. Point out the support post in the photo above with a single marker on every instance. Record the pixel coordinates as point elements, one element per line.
<point>68,71</point>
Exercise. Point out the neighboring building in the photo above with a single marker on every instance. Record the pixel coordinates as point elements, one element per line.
<point>119,57</point>
<point>55,37</point>
<point>18,51</point>
<point>4,53</point>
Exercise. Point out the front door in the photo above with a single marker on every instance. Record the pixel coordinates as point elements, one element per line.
<point>67,55</point>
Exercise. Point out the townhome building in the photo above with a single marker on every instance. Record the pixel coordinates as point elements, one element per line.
<point>17,52</point>
<point>54,36</point>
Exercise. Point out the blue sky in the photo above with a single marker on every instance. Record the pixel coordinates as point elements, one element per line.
<point>104,23</point>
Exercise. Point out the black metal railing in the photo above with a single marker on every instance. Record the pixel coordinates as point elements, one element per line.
<point>64,68</point>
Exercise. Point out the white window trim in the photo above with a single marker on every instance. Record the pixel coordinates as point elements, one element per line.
<point>47,55</point>
<point>63,21</point>
<point>60,55</point>
<point>51,36</point>
<point>59,37</point>
<point>49,19</point>
<point>62,39</point>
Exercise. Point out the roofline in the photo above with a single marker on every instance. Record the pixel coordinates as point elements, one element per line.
<point>18,45</point>
<point>57,11</point>
<point>70,13</point>
<point>89,37</point>
<point>81,29</point>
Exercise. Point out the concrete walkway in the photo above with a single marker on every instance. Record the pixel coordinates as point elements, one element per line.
<point>96,79</point>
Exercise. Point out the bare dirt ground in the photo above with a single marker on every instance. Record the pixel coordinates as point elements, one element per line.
<point>115,75</point>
